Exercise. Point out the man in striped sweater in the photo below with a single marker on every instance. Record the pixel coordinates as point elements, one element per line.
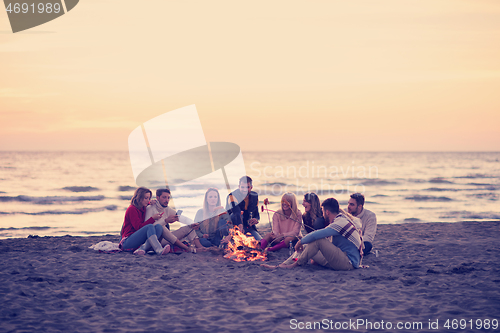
<point>343,252</point>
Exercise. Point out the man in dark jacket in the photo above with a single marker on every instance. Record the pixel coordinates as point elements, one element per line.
<point>243,204</point>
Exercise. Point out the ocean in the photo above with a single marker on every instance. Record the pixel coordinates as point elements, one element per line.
<point>87,193</point>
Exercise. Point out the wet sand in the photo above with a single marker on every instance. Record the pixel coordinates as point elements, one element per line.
<point>427,271</point>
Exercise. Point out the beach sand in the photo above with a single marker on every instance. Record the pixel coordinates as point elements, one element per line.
<point>427,271</point>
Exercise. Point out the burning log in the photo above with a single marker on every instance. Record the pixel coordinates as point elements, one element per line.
<point>243,248</point>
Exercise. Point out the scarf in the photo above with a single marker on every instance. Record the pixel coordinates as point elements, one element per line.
<point>159,207</point>
<point>347,228</point>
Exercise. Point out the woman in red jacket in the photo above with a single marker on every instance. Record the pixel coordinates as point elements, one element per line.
<point>139,235</point>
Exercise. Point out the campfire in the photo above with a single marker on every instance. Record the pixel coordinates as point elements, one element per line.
<point>243,248</point>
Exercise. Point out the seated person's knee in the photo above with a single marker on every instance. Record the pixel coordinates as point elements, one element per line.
<point>368,248</point>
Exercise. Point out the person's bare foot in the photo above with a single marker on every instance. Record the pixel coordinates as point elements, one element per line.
<point>288,266</point>
<point>201,249</point>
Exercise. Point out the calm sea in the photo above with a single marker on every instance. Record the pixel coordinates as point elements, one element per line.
<point>87,193</point>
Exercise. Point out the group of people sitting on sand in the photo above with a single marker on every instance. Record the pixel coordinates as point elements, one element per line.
<point>335,238</point>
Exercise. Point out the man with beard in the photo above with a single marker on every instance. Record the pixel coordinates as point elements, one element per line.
<point>243,205</point>
<point>368,219</point>
<point>187,233</point>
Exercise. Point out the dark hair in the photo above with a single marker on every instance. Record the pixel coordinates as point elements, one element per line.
<point>160,191</point>
<point>245,179</point>
<point>331,205</point>
<point>360,198</point>
<point>315,211</point>
<point>139,194</point>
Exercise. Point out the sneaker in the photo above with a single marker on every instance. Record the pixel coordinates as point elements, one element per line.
<point>166,250</point>
<point>140,252</point>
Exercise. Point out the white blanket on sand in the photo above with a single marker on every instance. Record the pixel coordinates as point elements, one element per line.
<point>105,246</point>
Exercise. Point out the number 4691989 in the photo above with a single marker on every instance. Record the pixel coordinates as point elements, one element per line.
<point>31,8</point>
<point>478,324</point>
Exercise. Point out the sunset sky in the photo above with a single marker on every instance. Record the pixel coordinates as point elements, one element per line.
<point>268,75</point>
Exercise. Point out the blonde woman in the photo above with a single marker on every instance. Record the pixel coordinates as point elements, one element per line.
<point>286,225</point>
<point>213,219</point>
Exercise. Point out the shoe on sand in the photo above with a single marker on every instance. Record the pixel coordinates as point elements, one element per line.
<point>166,250</point>
<point>140,252</point>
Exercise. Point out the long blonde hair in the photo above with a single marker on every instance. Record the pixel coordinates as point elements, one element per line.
<point>292,200</point>
<point>206,213</point>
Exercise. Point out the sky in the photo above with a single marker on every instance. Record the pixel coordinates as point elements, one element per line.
<point>267,75</point>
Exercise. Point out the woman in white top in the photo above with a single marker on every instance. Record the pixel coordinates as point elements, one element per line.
<point>213,219</point>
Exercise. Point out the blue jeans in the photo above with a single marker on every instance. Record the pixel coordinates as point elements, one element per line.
<point>236,219</point>
<point>140,236</point>
<point>254,233</point>
<point>222,231</point>
<point>206,242</point>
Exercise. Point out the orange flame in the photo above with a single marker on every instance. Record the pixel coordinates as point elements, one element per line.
<point>236,248</point>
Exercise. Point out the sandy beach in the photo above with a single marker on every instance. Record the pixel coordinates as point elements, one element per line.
<point>425,273</point>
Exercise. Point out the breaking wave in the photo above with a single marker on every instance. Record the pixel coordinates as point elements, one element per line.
<point>428,198</point>
<point>79,211</point>
<point>27,228</point>
<point>80,188</point>
<point>126,188</point>
<point>439,180</point>
<point>471,215</point>
<point>50,200</point>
